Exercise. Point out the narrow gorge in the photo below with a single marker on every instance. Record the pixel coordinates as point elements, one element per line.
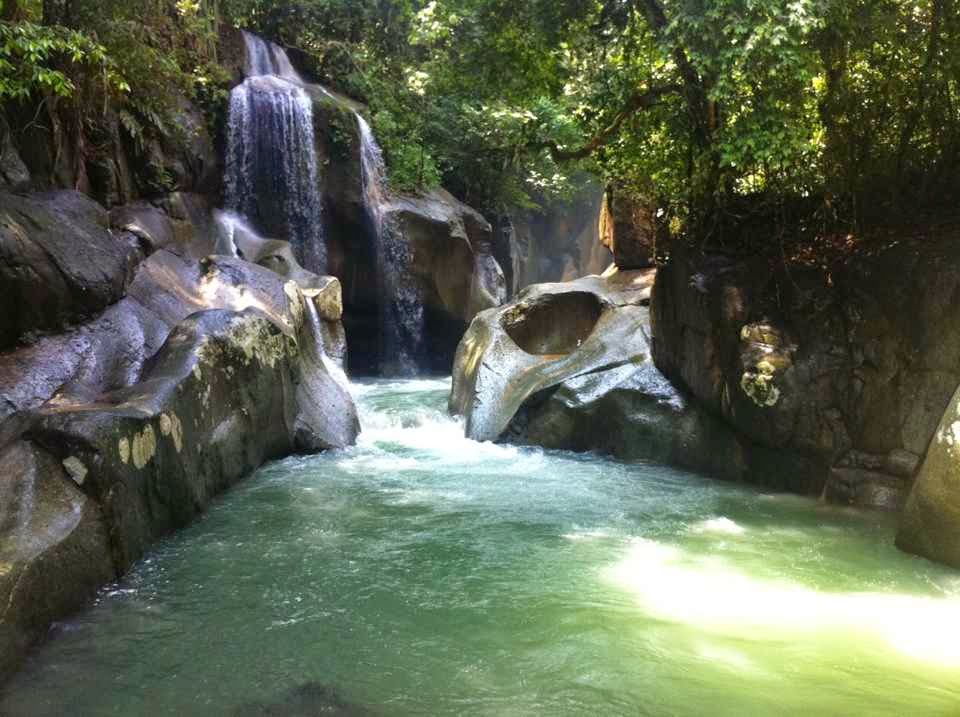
<point>288,427</point>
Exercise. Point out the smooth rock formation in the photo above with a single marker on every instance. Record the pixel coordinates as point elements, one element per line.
<point>549,334</point>
<point>54,547</point>
<point>59,263</point>
<point>930,523</point>
<point>632,413</point>
<point>123,427</point>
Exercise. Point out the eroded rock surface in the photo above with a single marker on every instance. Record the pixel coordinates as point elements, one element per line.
<point>124,426</point>
<point>549,334</point>
<point>59,263</point>
<point>54,548</point>
<point>631,412</point>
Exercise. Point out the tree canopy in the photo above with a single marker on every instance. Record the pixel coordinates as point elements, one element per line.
<point>833,110</point>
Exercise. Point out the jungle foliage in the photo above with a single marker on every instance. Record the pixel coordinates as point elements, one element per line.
<point>817,113</point>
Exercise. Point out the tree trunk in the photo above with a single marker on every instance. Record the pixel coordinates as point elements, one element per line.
<point>12,11</point>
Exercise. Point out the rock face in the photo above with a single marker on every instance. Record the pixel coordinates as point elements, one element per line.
<point>451,261</point>
<point>58,262</point>
<point>123,427</point>
<point>560,242</point>
<point>847,382</point>
<point>930,524</point>
<point>107,162</point>
<point>628,228</point>
<point>549,334</point>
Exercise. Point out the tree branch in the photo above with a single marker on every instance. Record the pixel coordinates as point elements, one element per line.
<point>640,100</point>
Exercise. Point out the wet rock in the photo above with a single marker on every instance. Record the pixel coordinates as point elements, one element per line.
<point>54,548</point>
<point>866,489</point>
<point>150,225</point>
<point>930,523</point>
<point>59,263</point>
<point>632,413</point>
<point>204,370</point>
<point>549,334</point>
<point>215,404</point>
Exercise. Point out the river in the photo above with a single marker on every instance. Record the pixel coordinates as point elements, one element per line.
<point>421,573</point>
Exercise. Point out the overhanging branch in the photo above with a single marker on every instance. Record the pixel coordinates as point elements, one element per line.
<point>639,101</point>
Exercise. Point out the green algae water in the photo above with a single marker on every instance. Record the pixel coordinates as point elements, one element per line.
<point>423,574</point>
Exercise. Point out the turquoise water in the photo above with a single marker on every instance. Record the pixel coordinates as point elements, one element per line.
<point>422,574</point>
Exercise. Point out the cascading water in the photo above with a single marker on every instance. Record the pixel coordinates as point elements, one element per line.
<point>271,172</point>
<point>401,310</point>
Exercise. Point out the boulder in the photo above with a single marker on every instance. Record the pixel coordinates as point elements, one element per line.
<point>549,334</point>
<point>54,548</point>
<point>124,426</point>
<point>111,351</point>
<point>632,413</point>
<point>216,403</point>
<point>59,262</point>
<point>628,227</point>
<point>450,253</point>
<point>930,522</point>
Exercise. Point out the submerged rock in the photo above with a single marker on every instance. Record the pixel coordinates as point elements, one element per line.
<point>307,700</point>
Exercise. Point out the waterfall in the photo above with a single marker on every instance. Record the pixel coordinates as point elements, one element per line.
<point>271,163</point>
<point>318,350</point>
<point>401,307</point>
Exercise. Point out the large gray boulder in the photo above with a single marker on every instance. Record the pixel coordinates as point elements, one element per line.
<point>631,412</point>
<point>930,523</point>
<point>549,334</point>
<point>59,262</point>
<point>215,405</point>
<point>54,548</point>
<point>124,426</point>
<point>451,253</point>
